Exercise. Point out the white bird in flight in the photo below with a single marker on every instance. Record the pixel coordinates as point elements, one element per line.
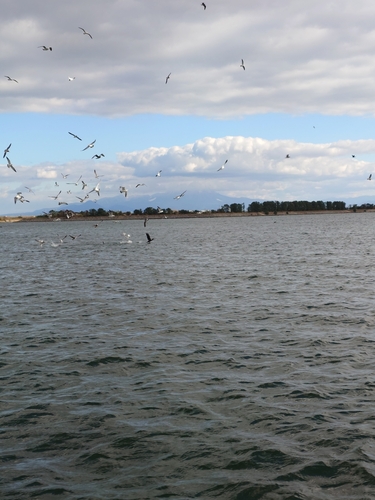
<point>10,79</point>
<point>242,65</point>
<point>29,189</point>
<point>19,197</point>
<point>43,47</point>
<point>96,189</point>
<point>222,166</point>
<point>55,197</point>
<point>71,78</point>
<point>124,191</point>
<point>85,32</point>
<point>179,196</point>
<point>9,164</point>
<point>91,145</point>
<point>75,183</point>
<point>96,175</point>
<point>158,174</point>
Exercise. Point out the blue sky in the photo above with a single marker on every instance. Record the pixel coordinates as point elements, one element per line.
<point>307,91</point>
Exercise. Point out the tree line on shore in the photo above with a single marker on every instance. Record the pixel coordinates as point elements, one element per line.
<point>265,207</point>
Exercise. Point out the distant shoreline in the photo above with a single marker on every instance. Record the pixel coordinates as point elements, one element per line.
<point>204,215</point>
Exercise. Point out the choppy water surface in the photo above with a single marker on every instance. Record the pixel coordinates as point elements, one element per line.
<point>229,359</point>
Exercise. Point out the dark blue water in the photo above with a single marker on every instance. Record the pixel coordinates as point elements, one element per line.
<point>229,359</point>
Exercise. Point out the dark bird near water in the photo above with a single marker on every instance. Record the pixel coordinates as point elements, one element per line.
<point>10,79</point>
<point>6,150</point>
<point>75,136</point>
<point>85,32</point>
<point>43,47</point>
<point>145,222</point>
<point>242,65</point>
<point>149,239</point>
<point>166,80</point>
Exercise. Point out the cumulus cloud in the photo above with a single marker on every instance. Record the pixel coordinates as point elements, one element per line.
<point>300,57</point>
<point>257,169</point>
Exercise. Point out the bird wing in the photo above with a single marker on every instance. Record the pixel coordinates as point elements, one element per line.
<point>148,237</point>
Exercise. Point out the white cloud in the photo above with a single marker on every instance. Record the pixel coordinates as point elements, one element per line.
<point>256,169</point>
<point>314,57</point>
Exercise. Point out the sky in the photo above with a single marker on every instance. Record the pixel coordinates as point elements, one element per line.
<point>307,91</point>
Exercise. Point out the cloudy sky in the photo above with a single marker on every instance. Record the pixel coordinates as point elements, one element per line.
<point>307,91</point>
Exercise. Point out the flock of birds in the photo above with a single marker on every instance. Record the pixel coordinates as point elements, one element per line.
<point>19,197</point>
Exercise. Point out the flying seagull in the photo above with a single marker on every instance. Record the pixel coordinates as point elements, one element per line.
<point>242,65</point>
<point>287,156</point>
<point>158,174</point>
<point>139,185</point>
<point>222,166</point>
<point>85,32</point>
<point>179,196</point>
<point>84,185</point>
<point>124,191</point>
<point>75,183</point>
<point>74,237</point>
<point>97,157</point>
<point>75,136</point>
<point>96,175</point>
<point>96,189</point>
<point>9,165</point>
<point>145,222</point>
<point>6,150</point>
<point>71,78</point>
<point>43,47</point>
<point>166,80</point>
<point>204,6</point>
<point>10,79</point>
<point>149,239</point>
<point>91,145</point>
<point>20,197</point>
<point>369,177</point>
<point>29,189</point>
<point>55,197</point>
<point>81,200</point>
<point>64,176</point>
<point>62,203</point>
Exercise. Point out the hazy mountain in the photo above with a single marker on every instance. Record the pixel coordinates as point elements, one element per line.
<point>203,200</point>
